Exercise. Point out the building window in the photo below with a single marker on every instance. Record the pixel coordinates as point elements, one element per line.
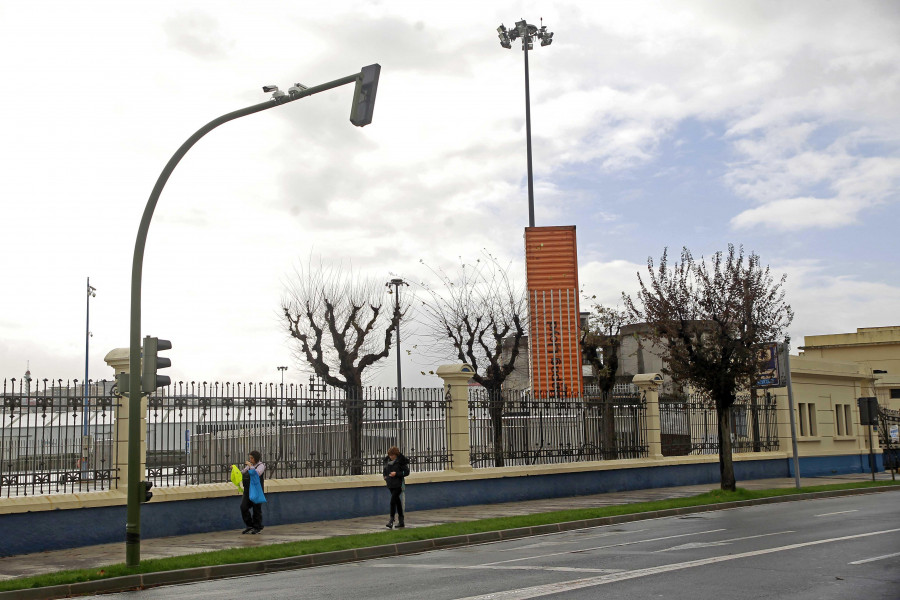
<point>843,420</point>
<point>807,419</point>
<point>895,393</point>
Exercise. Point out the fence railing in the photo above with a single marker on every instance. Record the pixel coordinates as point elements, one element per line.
<point>195,432</point>
<point>513,427</point>
<point>53,439</point>
<point>889,436</point>
<point>690,426</point>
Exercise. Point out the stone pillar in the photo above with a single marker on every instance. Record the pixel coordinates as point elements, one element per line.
<point>456,390</point>
<point>118,360</point>
<point>648,384</point>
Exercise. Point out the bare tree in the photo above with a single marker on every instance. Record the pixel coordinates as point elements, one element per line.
<point>710,317</point>
<point>477,309</point>
<point>343,325</point>
<point>601,341</point>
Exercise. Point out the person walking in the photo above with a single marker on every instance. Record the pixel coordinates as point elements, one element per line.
<point>396,468</point>
<point>251,512</point>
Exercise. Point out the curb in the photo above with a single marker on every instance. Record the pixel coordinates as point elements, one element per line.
<point>140,581</point>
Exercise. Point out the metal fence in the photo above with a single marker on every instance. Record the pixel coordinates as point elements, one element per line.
<point>690,425</point>
<point>514,427</point>
<point>53,439</point>
<point>889,436</point>
<point>195,432</point>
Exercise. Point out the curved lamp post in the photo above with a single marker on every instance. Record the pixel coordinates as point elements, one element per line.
<point>528,34</point>
<point>361,114</point>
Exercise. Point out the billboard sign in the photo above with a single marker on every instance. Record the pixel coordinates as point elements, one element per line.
<point>771,365</point>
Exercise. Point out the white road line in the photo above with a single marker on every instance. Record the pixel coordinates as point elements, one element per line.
<point>874,558</point>
<point>692,545</point>
<point>496,568</point>
<point>572,541</point>
<point>566,586</point>
<point>668,537</point>
<point>840,512</point>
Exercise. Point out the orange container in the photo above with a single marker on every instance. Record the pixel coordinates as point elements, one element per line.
<point>551,266</point>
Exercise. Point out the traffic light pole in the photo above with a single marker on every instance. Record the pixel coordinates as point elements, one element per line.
<point>134,487</point>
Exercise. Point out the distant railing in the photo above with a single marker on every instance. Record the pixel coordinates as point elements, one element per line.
<point>689,425</point>
<point>51,441</point>
<point>195,432</point>
<point>514,427</point>
<point>889,436</point>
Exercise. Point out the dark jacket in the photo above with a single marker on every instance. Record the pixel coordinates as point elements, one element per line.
<point>400,466</point>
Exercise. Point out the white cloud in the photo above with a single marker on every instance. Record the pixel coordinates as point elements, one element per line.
<point>99,95</point>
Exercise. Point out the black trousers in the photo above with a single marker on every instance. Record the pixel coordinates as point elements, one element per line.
<point>250,512</point>
<point>396,505</point>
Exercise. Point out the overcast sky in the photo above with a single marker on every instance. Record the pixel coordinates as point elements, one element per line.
<point>775,125</point>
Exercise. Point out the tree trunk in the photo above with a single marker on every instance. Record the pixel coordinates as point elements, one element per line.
<point>726,466</point>
<point>353,406</point>
<point>608,435</point>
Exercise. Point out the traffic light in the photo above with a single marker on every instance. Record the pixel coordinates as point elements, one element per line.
<point>364,96</point>
<point>152,362</point>
<point>145,488</point>
<point>123,382</point>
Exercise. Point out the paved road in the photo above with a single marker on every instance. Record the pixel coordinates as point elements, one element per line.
<point>819,549</point>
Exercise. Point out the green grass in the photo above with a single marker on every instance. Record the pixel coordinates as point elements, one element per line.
<point>239,555</point>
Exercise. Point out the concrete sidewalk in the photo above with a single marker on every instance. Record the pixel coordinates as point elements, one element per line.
<point>108,554</point>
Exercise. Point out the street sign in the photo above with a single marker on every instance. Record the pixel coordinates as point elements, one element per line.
<point>771,365</point>
<point>895,433</point>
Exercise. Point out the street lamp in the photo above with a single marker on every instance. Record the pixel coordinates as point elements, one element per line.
<point>361,111</point>
<point>528,33</point>
<point>85,423</point>
<point>397,282</point>
<point>282,369</point>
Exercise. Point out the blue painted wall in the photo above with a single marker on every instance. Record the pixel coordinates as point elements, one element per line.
<point>53,530</point>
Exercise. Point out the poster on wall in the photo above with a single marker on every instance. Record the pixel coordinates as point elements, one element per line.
<point>771,365</point>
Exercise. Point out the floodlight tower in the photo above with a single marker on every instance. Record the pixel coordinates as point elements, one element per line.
<point>528,33</point>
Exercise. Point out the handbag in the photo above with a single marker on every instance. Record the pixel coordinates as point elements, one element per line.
<point>237,477</point>
<point>256,493</point>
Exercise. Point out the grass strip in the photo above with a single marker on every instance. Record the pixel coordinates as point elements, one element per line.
<point>284,550</point>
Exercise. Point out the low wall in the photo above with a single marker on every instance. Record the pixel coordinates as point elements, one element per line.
<point>35,524</point>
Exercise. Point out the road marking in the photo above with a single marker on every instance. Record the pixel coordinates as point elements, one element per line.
<point>693,545</point>
<point>498,568</point>
<point>566,586</point>
<point>573,541</point>
<point>874,558</point>
<point>840,512</point>
<point>668,537</point>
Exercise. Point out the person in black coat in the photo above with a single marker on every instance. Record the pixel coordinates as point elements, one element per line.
<point>396,468</point>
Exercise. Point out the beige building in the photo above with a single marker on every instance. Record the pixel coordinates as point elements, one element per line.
<point>874,350</point>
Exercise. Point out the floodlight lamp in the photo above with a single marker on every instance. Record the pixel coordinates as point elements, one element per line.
<point>521,27</point>
<point>505,43</point>
<point>528,43</point>
<point>532,30</point>
<point>270,88</point>
<point>501,29</point>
